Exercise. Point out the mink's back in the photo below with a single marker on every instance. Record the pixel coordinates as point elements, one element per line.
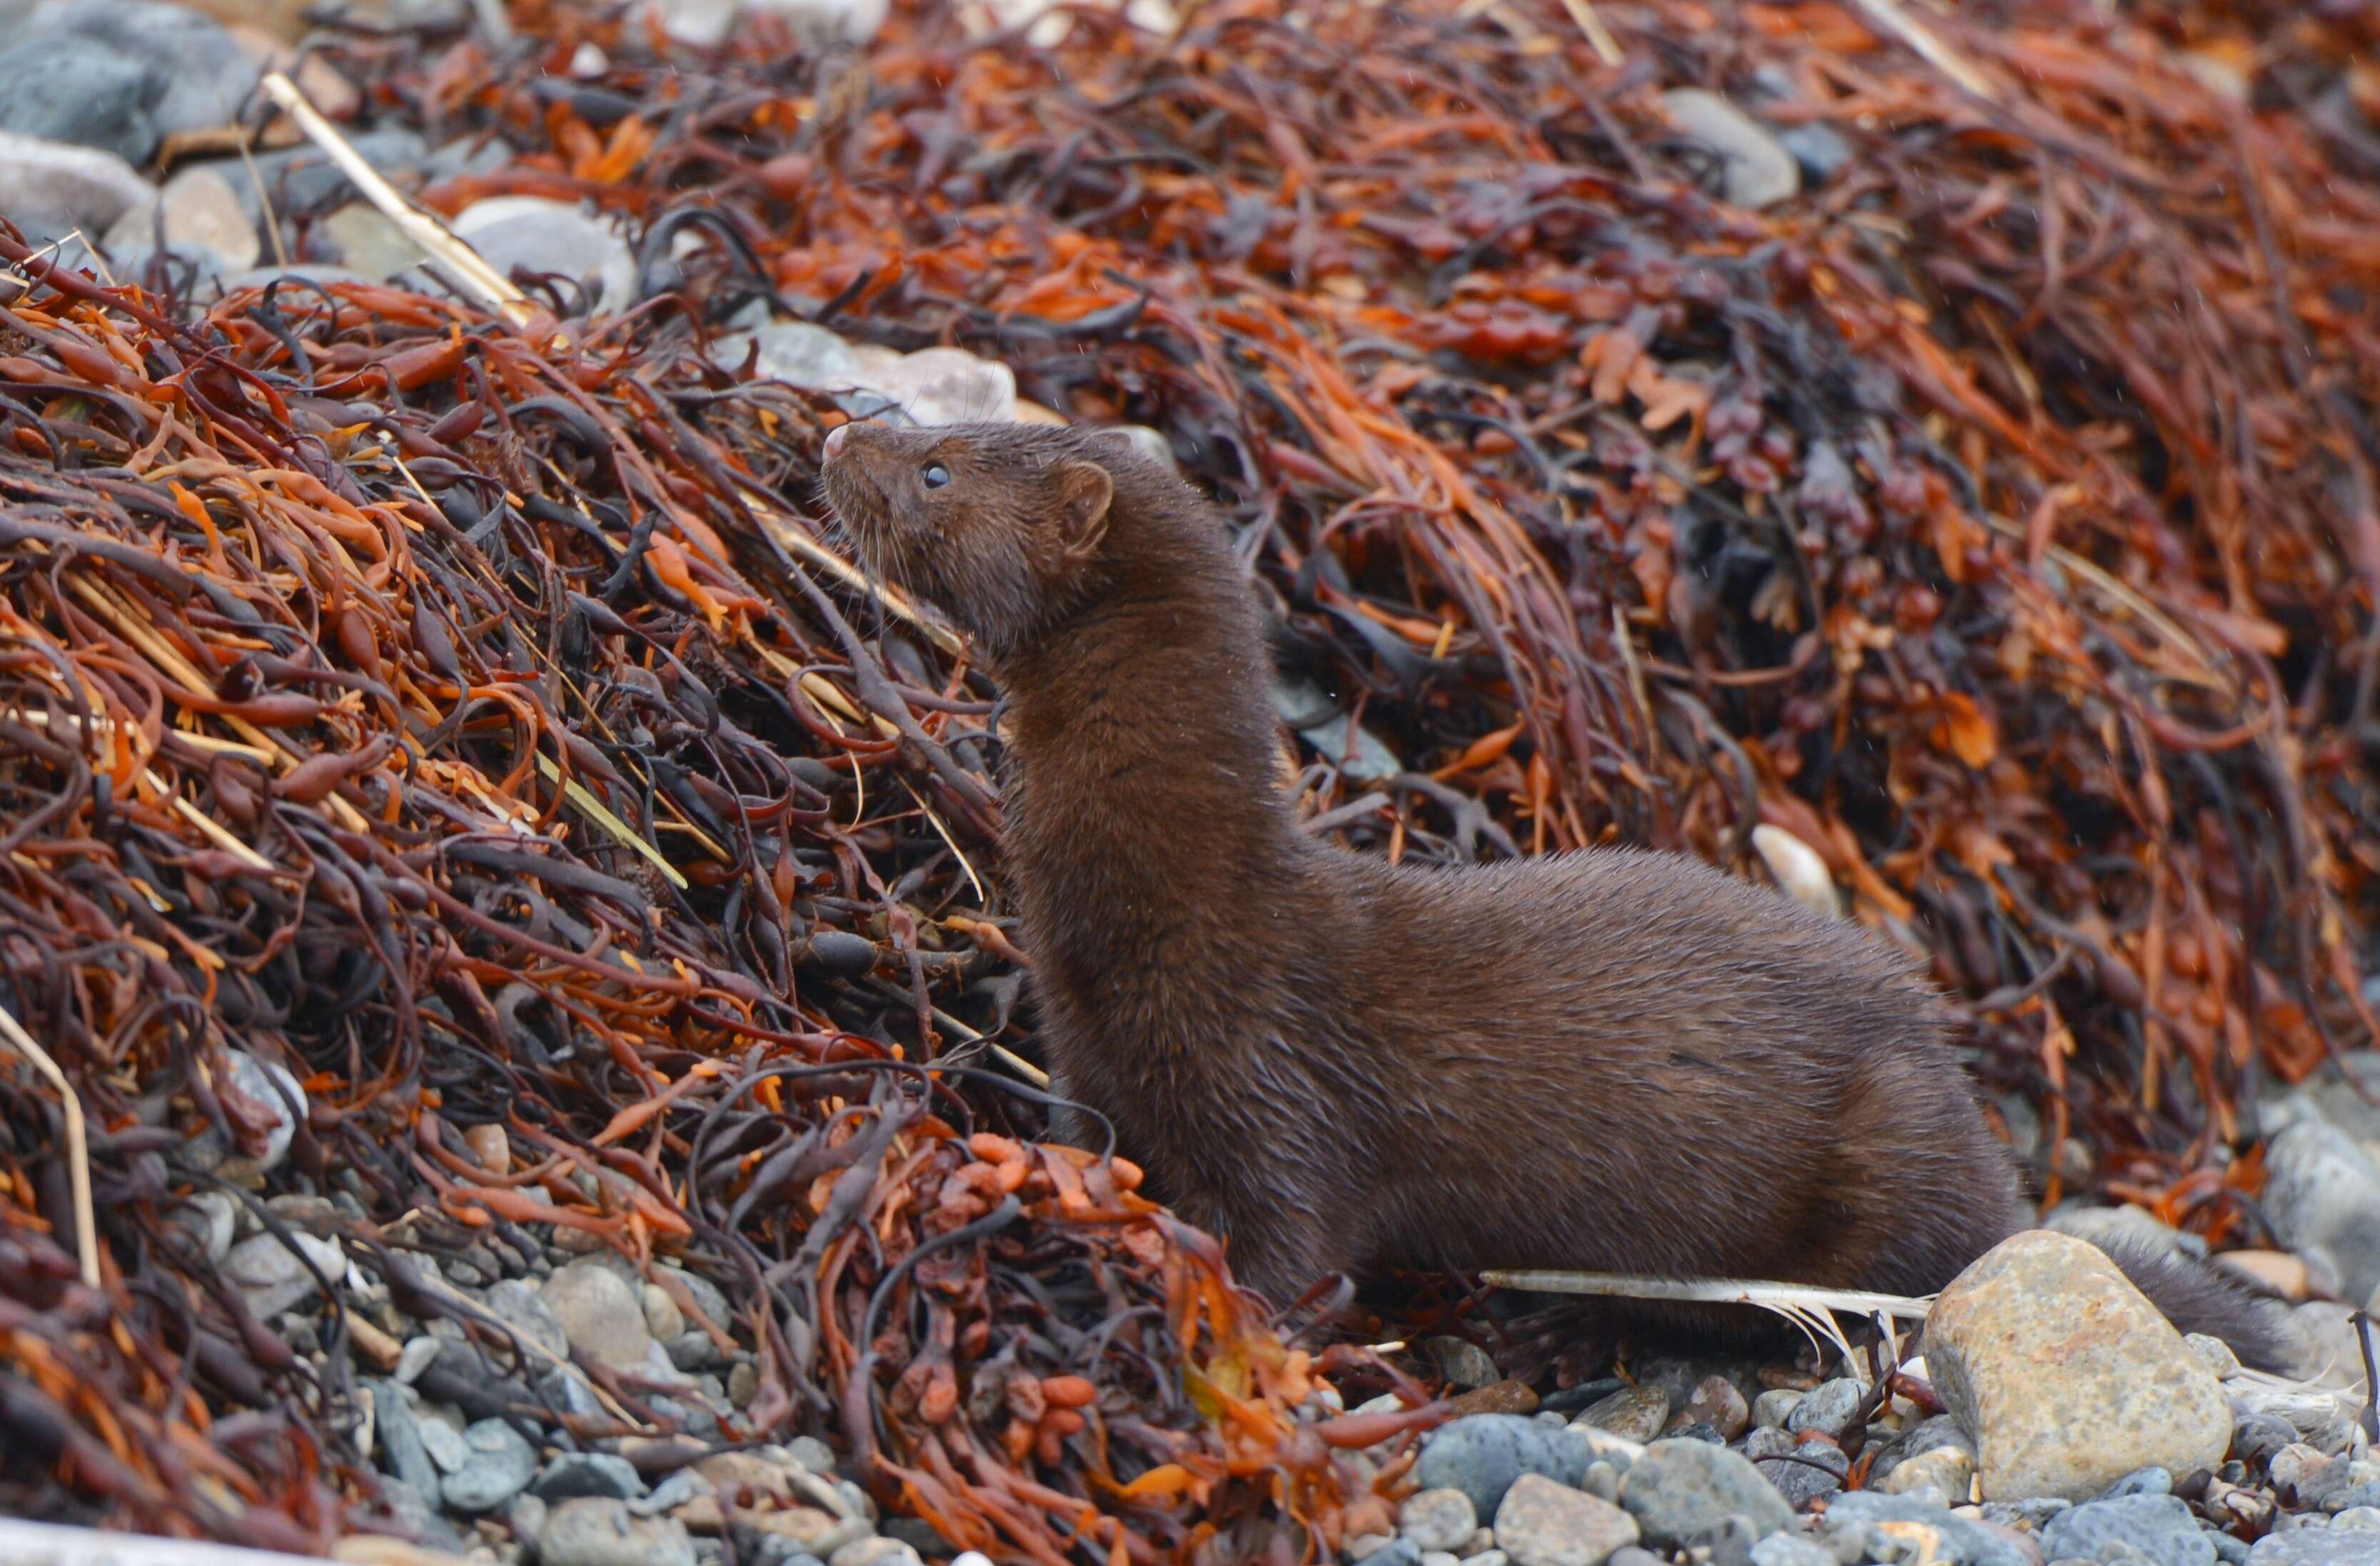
<point>1652,1066</point>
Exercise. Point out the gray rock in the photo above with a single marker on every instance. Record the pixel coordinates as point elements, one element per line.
<point>599,1314</point>
<point>597,1531</point>
<point>2159,1527</point>
<point>1543,1524</point>
<point>2322,1188</point>
<point>1801,1470</point>
<point>1771,1409</point>
<point>1828,1409</point>
<point>1678,1490</point>
<point>1953,1539</point>
<point>2256,1437</point>
<point>211,1217</point>
<point>464,157</point>
<point>1791,1549</point>
<point>1482,1454</point>
<point>418,1355</point>
<point>2314,1547</point>
<point>365,239</point>
<point>795,352</point>
<point>1819,150</point>
<point>1635,1413</point>
<point>812,1453</point>
<point>1388,1552</point>
<point>500,1466</point>
<point>272,1278</point>
<point>1463,1362</point>
<point>2366,1519</point>
<point>1358,752</point>
<point>202,72</point>
<point>1759,171</point>
<point>521,1307</point>
<point>2140,1481</point>
<point>884,1552</point>
<point>303,179</point>
<point>662,1318</point>
<point>270,1088</point>
<point>441,1438</point>
<point>1438,1519</point>
<point>198,209</point>
<point>400,1439</point>
<point>533,235</point>
<point>795,1530</point>
<point>71,89</point>
<point>576,1474</point>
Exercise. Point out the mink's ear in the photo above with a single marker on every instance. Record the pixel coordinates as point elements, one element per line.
<point>1085,494</point>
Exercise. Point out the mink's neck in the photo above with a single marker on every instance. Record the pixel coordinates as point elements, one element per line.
<point>1150,830</point>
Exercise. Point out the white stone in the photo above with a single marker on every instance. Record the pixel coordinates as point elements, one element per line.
<point>1050,24</point>
<point>542,235</point>
<point>1759,171</point>
<point>1800,873</point>
<point>271,1280</point>
<point>50,188</point>
<point>201,210</point>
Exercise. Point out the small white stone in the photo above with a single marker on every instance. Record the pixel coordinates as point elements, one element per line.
<point>271,1280</point>
<point>417,1356</point>
<point>1759,171</point>
<point>199,210</point>
<point>1800,873</point>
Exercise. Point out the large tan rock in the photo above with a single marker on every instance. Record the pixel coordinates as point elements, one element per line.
<point>2065,1376</point>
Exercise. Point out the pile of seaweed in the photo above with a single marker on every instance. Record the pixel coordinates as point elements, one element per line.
<point>418,718</point>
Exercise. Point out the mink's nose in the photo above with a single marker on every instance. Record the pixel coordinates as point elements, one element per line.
<point>834,440</point>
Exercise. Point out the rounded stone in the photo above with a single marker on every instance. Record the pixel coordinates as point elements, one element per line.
<point>1543,1524</point>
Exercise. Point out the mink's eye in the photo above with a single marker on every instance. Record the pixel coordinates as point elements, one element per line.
<point>935,476</point>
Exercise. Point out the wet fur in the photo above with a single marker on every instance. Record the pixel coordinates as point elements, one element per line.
<point>1611,1060</point>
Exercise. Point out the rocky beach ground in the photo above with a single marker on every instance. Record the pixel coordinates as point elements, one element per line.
<point>2017,1441</point>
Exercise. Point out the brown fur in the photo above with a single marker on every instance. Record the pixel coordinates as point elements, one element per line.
<point>1612,1061</point>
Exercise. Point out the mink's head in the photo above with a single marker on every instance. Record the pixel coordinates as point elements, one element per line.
<point>1006,527</point>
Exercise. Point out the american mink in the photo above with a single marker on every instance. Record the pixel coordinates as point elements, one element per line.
<point>1611,1060</point>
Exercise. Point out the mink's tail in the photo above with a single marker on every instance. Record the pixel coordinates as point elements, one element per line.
<point>2199,1295</point>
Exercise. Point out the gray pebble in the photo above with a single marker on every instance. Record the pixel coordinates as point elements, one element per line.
<point>592,1531</point>
<point>1678,1490</point>
<point>200,73</point>
<point>68,89</point>
<point>1772,1408</point>
<point>1440,1519</point>
<point>1791,1549</point>
<point>1801,1472</point>
<point>1967,1543</point>
<point>2159,1527</point>
<point>1482,1454</point>
<point>1828,1410</point>
<point>501,1466</point>
<point>588,1474</point>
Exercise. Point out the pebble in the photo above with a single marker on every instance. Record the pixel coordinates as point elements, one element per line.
<point>418,1355</point>
<point>1791,1549</point>
<point>1820,1470</point>
<point>400,1439</point>
<point>939,385</point>
<point>68,89</point>
<point>1678,1490</point>
<point>1463,1362</point>
<point>2159,1527</point>
<point>534,235</point>
<point>2322,1188</point>
<point>793,1530</point>
<point>304,179</point>
<point>522,1307</point>
<point>1357,752</point>
<point>875,1552</point>
<point>1482,1454</point>
<point>1771,1409</point>
<point>596,1531</point>
<point>2314,1547</point>
<point>441,1438</point>
<point>1716,1403</point>
<point>263,1083</point>
<point>364,239</point>
<point>1543,1524</point>
<point>270,1277</point>
<point>1507,1396</point>
<point>2283,1274</point>
<point>795,352</point>
<point>2065,1376</point>
<point>1441,1519</point>
<point>199,212</point>
<point>500,1466</point>
<point>662,1318</point>
<point>599,1314</point>
<point>576,1474</point>
<point>213,1217</point>
<point>1827,1410</point>
<point>1759,171</point>
<point>1949,1469</point>
<point>1818,149</point>
<point>202,72</point>
<point>1950,1539</point>
<point>1635,1413</point>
